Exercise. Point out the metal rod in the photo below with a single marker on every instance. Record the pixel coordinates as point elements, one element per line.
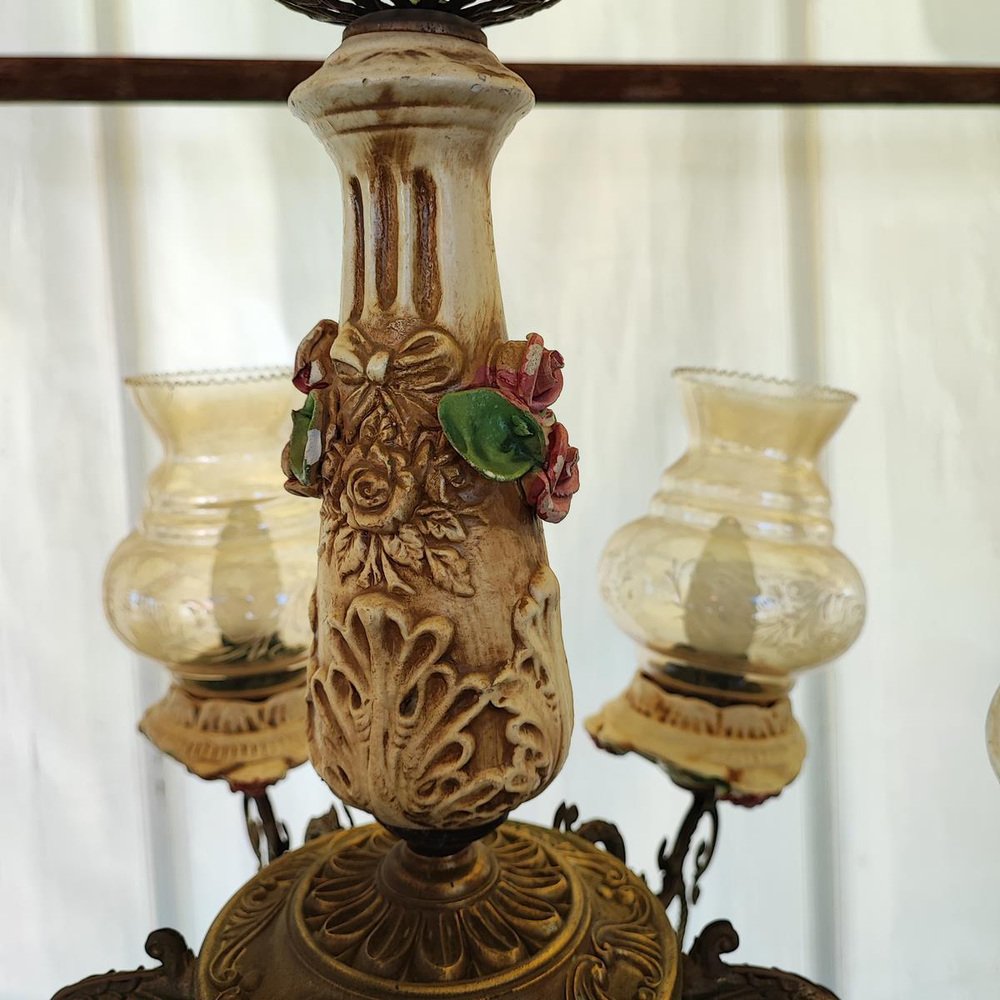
<point>103,79</point>
<point>675,885</point>
<point>268,835</point>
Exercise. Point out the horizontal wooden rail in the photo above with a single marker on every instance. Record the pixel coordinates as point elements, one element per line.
<point>103,79</point>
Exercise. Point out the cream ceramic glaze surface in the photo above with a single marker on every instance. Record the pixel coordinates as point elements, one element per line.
<point>439,693</point>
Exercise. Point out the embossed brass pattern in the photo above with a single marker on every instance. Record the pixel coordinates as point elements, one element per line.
<point>314,908</point>
<point>173,980</point>
<point>524,912</point>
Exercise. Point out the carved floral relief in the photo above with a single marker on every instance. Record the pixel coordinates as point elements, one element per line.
<point>403,721</point>
<point>396,497</point>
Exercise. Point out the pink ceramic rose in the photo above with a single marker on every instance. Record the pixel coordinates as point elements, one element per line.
<point>526,372</point>
<point>550,489</point>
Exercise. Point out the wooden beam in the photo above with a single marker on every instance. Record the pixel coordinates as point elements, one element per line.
<point>767,84</point>
<point>101,79</point>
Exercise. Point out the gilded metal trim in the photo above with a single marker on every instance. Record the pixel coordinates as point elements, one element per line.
<point>174,980</point>
<point>707,977</point>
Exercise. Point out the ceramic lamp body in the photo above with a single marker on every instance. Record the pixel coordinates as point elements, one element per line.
<point>730,585</point>
<point>439,692</point>
<point>216,579</point>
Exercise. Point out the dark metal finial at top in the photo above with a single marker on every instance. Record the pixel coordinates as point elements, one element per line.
<point>481,12</point>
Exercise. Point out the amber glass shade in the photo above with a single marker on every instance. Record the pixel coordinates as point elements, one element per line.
<point>215,581</point>
<point>733,573</point>
<point>993,733</point>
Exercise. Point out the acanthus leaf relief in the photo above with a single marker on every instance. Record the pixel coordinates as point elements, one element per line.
<point>450,747</point>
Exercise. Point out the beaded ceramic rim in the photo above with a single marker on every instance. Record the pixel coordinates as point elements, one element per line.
<point>764,385</point>
<point>221,376</point>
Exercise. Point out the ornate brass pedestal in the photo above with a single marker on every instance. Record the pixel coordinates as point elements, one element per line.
<point>525,912</point>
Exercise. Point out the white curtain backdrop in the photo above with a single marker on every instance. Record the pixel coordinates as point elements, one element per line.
<point>860,247</point>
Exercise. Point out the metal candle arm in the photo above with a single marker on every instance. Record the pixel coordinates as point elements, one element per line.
<point>268,835</point>
<point>705,803</point>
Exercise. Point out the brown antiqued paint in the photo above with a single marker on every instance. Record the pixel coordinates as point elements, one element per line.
<point>426,263</point>
<point>358,208</point>
<point>438,633</point>
<point>385,235</point>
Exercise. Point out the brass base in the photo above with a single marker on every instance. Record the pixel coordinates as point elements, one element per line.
<point>526,912</point>
<point>251,744</point>
<point>753,751</point>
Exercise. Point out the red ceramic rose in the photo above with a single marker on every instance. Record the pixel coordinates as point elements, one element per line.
<point>550,489</point>
<point>526,372</point>
<point>312,360</point>
<point>524,378</point>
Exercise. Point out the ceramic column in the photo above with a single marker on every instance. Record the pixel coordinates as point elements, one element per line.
<point>439,695</point>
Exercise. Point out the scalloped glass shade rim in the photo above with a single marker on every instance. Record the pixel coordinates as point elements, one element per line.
<point>222,376</point>
<point>764,386</point>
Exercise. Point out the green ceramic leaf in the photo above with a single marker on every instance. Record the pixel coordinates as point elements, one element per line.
<point>493,435</point>
<point>301,455</point>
